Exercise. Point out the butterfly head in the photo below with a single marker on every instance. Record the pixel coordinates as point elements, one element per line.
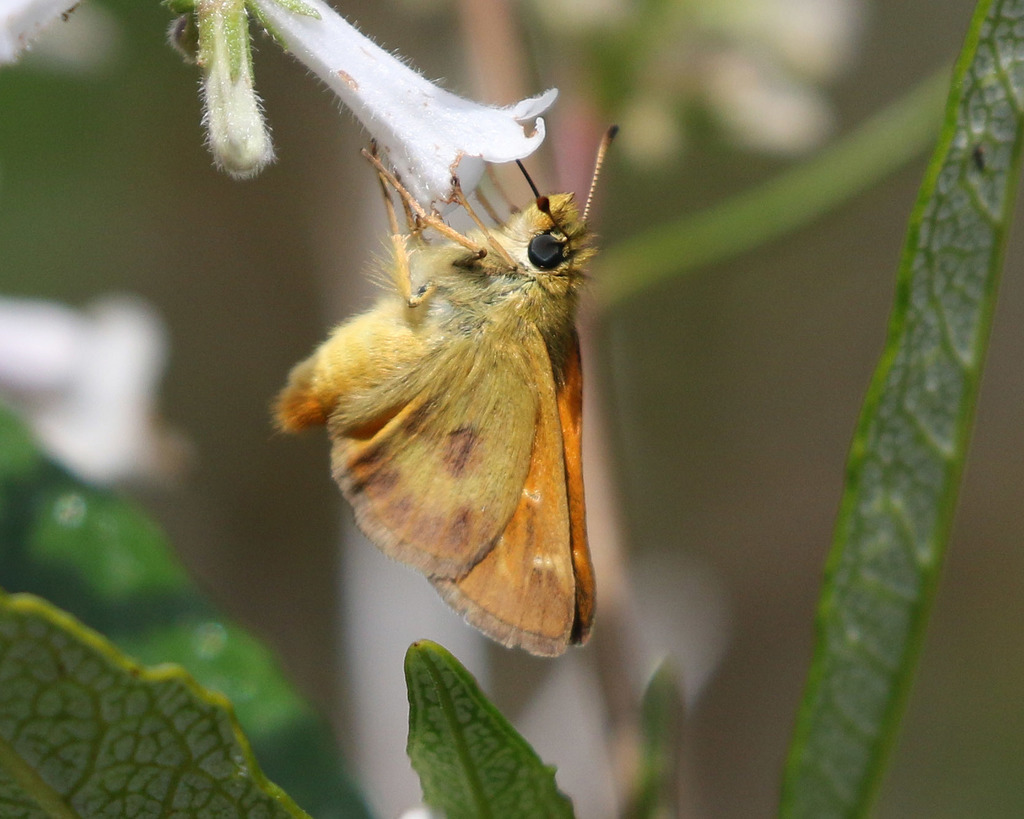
<point>558,243</point>
<point>555,240</point>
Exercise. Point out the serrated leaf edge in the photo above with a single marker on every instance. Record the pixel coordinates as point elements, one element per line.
<point>29,604</point>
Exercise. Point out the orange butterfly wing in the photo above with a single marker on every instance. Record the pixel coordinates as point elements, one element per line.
<point>535,588</point>
<point>434,483</point>
<point>474,479</point>
<point>570,413</point>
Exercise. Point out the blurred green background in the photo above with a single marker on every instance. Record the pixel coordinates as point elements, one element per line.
<point>730,394</point>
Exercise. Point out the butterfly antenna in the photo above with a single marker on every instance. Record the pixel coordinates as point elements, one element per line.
<point>536,193</point>
<point>602,149</point>
<point>543,203</point>
<point>532,187</point>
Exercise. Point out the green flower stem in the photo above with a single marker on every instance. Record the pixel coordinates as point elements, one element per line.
<point>224,22</point>
<point>878,147</point>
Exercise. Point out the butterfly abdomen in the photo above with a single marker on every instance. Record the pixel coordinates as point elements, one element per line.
<point>298,407</point>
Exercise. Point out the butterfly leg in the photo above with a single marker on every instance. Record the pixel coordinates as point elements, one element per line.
<point>402,273</point>
<point>423,219</point>
<point>460,197</point>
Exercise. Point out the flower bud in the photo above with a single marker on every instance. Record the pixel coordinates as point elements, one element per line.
<point>236,131</point>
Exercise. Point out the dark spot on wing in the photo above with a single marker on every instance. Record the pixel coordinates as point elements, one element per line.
<point>382,481</point>
<point>446,533</point>
<point>369,470</point>
<point>458,449</point>
<point>531,522</point>
<point>430,529</point>
<point>396,514</point>
<point>459,530</point>
<point>376,482</point>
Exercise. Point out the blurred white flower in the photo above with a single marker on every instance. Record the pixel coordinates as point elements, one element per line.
<point>88,39</point>
<point>764,80</point>
<point>569,694</point>
<point>758,66</point>
<point>764,108</point>
<point>815,39</point>
<point>426,132</point>
<point>86,382</point>
<point>686,614</point>
<point>383,611</point>
<point>420,812</point>
<point>21,21</point>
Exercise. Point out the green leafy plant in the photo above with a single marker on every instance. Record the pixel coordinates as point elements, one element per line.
<point>103,560</point>
<point>911,442</point>
<point>470,760</point>
<point>88,733</point>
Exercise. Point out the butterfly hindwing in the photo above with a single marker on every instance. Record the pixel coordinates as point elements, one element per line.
<point>524,591</point>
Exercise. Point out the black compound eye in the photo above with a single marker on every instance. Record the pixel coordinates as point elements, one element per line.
<point>545,251</point>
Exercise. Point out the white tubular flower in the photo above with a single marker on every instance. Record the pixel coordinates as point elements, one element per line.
<point>22,20</point>
<point>765,84</point>
<point>426,132</point>
<point>237,133</point>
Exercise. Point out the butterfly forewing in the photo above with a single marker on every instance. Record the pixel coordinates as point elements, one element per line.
<point>436,484</point>
<point>570,413</point>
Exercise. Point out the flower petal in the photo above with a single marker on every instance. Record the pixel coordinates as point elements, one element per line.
<point>22,20</point>
<point>426,131</point>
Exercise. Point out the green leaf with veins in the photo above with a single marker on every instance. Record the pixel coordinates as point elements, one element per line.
<point>86,732</point>
<point>471,762</point>
<point>101,559</point>
<point>911,442</point>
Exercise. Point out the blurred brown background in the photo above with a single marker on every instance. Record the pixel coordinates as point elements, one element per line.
<point>730,394</point>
